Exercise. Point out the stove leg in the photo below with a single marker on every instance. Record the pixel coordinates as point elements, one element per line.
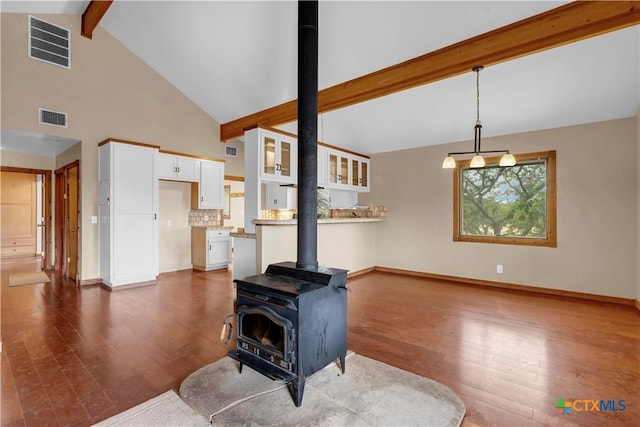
<point>342,362</point>
<point>296,388</point>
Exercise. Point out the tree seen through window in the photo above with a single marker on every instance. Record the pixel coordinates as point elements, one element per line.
<point>501,201</point>
<point>513,205</point>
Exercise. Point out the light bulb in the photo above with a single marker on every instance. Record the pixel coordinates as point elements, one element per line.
<point>477,161</point>
<point>448,163</point>
<point>507,160</point>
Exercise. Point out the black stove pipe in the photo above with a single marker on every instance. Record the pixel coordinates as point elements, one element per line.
<point>307,135</point>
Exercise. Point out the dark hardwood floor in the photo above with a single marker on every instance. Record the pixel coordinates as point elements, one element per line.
<point>75,356</point>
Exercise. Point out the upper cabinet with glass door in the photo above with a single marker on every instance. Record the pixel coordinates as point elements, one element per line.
<point>338,169</point>
<point>346,171</point>
<point>359,173</point>
<point>278,157</point>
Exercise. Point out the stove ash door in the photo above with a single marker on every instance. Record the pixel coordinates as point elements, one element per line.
<point>264,333</point>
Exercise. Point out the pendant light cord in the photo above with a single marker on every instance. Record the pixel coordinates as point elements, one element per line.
<point>477,69</point>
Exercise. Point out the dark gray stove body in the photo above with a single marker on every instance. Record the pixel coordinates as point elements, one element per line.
<point>291,322</point>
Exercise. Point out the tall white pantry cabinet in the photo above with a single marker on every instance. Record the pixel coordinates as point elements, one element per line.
<point>128,209</point>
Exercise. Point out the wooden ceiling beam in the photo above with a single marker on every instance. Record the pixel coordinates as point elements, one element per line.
<point>92,16</point>
<point>563,25</point>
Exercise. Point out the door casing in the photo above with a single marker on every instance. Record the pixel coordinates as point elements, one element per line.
<point>67,219</point>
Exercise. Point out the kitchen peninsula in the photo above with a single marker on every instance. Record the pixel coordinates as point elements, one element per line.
<point>343,243</point>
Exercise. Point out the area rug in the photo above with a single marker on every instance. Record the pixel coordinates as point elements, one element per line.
<point>166,409</point>
<point>28,278</point>
<point>369,393</point>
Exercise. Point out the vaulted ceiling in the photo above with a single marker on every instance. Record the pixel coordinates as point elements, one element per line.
<point>236,58</point>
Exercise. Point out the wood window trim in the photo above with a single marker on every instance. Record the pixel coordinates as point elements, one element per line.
<point>550,241</point>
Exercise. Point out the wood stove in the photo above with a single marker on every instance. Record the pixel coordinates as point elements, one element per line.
<point>291,322</point>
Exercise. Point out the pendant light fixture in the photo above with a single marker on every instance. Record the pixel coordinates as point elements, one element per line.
<point>477,161</point>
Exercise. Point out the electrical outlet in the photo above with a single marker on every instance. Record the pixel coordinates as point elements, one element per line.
<point>499,269</point>
<point>206,217</point>
<point>169,223</point>
<point>94,219</point>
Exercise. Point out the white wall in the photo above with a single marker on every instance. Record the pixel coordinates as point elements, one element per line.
<point>597,203</point>
<point>27,161</point>
<point>638,208</point>
<point>174,232</point>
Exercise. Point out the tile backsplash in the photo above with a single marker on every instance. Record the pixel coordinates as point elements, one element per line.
<point>276,214</point>
<point>361,212</point>
<point>369,212</point>
<point>206,217</point>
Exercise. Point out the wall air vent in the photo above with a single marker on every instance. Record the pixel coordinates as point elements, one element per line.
<point>54,118</point>
<point>49,43</point>
<point>230,151</point>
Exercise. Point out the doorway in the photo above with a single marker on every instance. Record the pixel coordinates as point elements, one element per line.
<point>67,219</point>
<point>26,213</point>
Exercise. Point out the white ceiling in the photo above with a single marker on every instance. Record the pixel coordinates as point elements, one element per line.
<point>236,58</point>
<point>34,143</point>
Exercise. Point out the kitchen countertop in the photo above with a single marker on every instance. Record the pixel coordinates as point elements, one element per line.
<point>214,227</point>
<point>244,235</point>
<point>320,221</point>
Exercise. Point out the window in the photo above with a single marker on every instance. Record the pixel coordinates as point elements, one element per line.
<point>226,212</point>
<point>512,205</point>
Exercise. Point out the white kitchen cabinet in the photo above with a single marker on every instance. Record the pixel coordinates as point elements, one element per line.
<point>346,171</point>
<point>279,197</point>
<point>178,168</point>
<point>323,161</point>
<point>359,173</point>
<point>128,210</point>
<point>338,168</point>
<point>210,186</point>
<point>263,158</point>
<point>244,256</point>
<point>210,248</point>
<point>278,157</point>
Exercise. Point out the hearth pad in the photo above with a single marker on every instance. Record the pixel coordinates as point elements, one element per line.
<point>369,393</point>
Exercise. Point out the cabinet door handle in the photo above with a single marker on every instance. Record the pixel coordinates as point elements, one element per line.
<point>178,169</point>
<point>201,198</point>
<point>209,247</point>
<point>155,216</point>
<point>275,201</point>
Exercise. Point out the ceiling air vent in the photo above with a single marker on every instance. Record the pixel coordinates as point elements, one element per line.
<point>54,118</point>
<point>230,151</point>
<point>49,43</point>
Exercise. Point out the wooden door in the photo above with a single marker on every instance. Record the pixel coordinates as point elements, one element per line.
<point>18,205</point>
<point>29,175</point>
<point>72,221</point>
